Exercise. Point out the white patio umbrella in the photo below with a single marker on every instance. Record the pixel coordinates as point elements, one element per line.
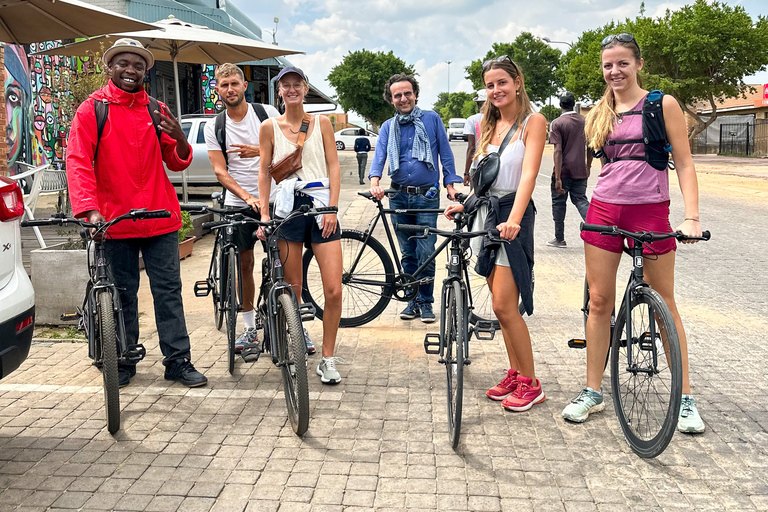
<point>177,41</point>
<point>33,21</point>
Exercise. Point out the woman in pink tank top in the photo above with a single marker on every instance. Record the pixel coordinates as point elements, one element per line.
<point>634,196</point>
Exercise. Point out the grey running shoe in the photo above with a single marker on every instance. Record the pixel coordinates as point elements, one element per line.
<point>557,243</point>
<point>689,420</point>
<point>587,402</point>
<point>250,335</point>
<point>327,370</point>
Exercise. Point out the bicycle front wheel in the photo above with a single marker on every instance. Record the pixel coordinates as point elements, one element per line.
<point>231,306</point>
<point>647,392</point>
<point>214,281</point>
<point>108,342</point>
<point>367,281</point>
<point>293,362</point>
<point>454,337</point>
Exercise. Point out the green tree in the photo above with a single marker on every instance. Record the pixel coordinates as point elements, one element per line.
<point>550,112</point>
<point>537,60</point>
<point>579,70</point>
<point>454,104</point>
<point>359,82</point>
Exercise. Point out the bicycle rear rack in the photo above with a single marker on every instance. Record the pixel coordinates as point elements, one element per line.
<point>432,347</point>
<point>202,288</point>
<point>483,330</point>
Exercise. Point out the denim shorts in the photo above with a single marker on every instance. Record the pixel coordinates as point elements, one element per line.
<point>305,229</point>
<point>629,217</point>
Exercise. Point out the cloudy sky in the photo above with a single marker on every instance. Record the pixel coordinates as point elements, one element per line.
<point>428,33</point>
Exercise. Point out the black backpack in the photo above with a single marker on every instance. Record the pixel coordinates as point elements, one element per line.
<point>221,127</point>
<point>657,147</point>
<point>102,112</point>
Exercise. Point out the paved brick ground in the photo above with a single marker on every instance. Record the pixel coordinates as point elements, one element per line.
<point>378,440</point>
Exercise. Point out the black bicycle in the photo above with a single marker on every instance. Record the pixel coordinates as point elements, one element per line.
<point>224,275</point>
<point>646,366</point>
<point>452,343</point>
<point>370,279</point>
<point>101,316</point>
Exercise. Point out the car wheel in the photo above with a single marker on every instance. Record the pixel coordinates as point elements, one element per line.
<point>340,145</point>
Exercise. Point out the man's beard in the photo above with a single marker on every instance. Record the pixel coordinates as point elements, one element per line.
<point>237,101</point>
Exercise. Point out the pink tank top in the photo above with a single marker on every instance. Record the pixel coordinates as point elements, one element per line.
<point>630,181</point>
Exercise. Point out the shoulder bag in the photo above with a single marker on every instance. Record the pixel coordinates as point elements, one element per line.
<point>291,163</point>
<point>487,169</point>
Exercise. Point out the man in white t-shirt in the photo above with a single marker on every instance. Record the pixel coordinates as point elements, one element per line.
<point>472,131</point>
<point>232,139</point>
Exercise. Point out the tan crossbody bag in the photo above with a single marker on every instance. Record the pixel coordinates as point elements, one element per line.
<point>291,163</point>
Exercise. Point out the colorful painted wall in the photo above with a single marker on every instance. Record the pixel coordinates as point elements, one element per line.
<point>211,101</point>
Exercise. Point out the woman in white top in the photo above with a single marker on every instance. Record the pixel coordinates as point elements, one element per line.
<point>321,176</point>
<point>508,108</point>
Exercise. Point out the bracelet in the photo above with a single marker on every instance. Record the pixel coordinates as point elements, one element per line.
<point>466,174</point>
<point>694,219</point>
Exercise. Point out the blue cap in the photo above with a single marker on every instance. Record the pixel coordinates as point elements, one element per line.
<point>291,69</point>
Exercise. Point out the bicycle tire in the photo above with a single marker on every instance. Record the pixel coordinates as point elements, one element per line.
<point>642,398</point>
<point>214,281</point>
<point>360,303</point>
<point>293,359</point>
<point>108,342</point>
<point>454,337</point>
<point>231,308</point>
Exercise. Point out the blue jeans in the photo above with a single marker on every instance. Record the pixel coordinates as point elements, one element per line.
<point>161,261</point>
<point>416,252</point>
<point>577,189</point>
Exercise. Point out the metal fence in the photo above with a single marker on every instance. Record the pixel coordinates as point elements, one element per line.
<point>744,139</point>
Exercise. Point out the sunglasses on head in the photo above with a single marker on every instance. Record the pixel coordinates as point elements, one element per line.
<point>501,58</point>
<point>624,37</point>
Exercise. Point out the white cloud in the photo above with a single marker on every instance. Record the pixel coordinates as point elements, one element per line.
<point>324,32</point>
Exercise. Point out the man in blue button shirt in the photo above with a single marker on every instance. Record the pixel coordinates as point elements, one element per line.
<point>413,141</point>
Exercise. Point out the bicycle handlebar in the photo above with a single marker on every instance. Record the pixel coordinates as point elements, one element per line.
<point>138,214</point>
<point>642,236</point>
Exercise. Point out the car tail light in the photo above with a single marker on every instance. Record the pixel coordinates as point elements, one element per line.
<point>24,324</point>
<point>11,200</point>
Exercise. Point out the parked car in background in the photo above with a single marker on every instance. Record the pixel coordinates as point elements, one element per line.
<point>200,172</point>
<point>17,297</point>
<point>456,128</point>
<point>346,138</point>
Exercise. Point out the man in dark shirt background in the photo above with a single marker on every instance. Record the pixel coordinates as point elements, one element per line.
<point>362,147</point>
<point>572,165</point>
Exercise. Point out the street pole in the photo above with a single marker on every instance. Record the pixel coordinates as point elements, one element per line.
<point>449,75</point>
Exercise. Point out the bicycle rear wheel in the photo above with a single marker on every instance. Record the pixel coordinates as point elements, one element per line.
<point>293,362</point>
<point>231,306</point>
<point>367,280</point>
<point>646,395</point>
<point>108,342</point>
<point>454,337</point>
<point>214,281</point>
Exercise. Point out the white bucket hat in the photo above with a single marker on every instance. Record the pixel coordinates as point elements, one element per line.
<point>128,45</point>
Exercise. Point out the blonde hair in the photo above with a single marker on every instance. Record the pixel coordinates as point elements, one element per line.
<point>491,113</point>
<point>599,121</point>
<point>228,69</point>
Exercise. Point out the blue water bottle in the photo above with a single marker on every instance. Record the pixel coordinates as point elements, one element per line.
<point>432,192</point>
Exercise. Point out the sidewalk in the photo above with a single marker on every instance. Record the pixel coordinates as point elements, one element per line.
<point>378,440</point>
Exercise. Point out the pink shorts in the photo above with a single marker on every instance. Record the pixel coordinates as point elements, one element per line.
<point>630,217</point>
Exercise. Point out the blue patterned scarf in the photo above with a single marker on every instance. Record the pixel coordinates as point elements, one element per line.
<point>422,149</point>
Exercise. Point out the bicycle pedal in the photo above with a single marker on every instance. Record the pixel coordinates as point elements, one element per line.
<point>467,361</point>
<point>202,288</point>
<point>432,347</point>
<point>483,330</point>
<point>307,312</point>
<point>69,317</point>
<point>577,343</point>
<point>134,354</point>
<point>646,342</point>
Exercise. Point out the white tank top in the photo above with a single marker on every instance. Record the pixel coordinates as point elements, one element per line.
<point>312,157</point>
<point>511,169</point>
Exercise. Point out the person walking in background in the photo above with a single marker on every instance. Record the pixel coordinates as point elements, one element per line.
<point>572,166</point>
<point>412,142</point>
<point>362,147</point>
<point>472,130</point>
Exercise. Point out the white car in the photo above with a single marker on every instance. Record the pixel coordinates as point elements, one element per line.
<point>346,138</point>
<point>200,172</point>
<point>17,297</point>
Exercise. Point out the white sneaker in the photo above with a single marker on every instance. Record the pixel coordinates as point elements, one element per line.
<point>327,370</point>
<point>689,420</point>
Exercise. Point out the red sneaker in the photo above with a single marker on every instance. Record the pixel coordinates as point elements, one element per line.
<point>524,396</point>
<point>507,385</point>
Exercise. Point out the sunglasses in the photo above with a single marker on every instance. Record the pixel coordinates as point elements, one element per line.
<point>624,37</point>
<point>501,58</point>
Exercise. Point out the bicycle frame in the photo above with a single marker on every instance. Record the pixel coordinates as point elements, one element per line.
<point>636,281</point>
<point>457,271</point>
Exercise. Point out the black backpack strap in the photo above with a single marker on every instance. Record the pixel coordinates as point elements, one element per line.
<point>220,130</point>
<point>260,111</point>
<point>152,106</point>
<point>101,108</point>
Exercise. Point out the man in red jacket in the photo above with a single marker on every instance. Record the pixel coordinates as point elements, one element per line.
<point>126,173</point>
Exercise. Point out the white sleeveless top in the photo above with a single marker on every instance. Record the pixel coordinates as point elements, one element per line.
<point>511,169</point>
<point>312,157</point>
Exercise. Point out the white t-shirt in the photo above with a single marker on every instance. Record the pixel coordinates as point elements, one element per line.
<point>471,128</point>
<point>245,171</point>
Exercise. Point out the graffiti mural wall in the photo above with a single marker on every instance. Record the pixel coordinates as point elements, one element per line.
<point>18,105</point>
<point>211,101</point>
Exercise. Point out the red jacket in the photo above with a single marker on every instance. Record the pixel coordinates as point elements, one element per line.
<point>128,172</point>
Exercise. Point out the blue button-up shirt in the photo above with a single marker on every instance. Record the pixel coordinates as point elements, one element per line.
<point>412,172</point>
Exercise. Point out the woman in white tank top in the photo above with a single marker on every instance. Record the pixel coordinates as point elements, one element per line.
<point>509,202</point>
<point>320,170</point>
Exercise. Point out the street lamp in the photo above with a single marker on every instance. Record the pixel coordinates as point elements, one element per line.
<point>276,20</point>
<point>548,40</point>
<point>449,75</point>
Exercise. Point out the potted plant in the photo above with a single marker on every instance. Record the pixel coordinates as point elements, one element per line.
<point>186,242</point>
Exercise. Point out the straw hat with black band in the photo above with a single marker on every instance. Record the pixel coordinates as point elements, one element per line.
<point>128,45</point>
